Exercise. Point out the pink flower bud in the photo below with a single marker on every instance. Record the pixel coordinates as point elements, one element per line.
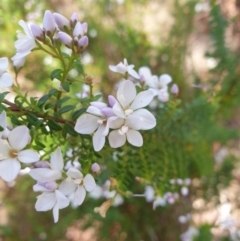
<point>83,42</point>
<point>78,30</point>
<point>41,164</point>
<point>107,111</point>
<point>111,100</point>
<point>95,168</point>
<point>61,21</point>
<point>49,24</point>
<point>74,19</point>
<point>51,185</point>
<point>174,89</point>
<point>37,32</point>
<point>65,39</point>
<point>85,27</point>
<point>142,79</point>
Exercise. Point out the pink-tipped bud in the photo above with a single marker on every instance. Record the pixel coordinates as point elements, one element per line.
<point>61,21</point>
<point>83,42</point>
<point>49,24</point>
<point>51,185</point>
<point>37,32</point>
<point>163,96</point>
<point>107,111</point>
<point>142,79</point>
<point>95,168</point>
<point>175,89</point>
<point>74,19</point>
<point>41,164</point>
<point>111,100</point>
<point>78,30</point>
<point>85,27</point>
<point>65,39</point>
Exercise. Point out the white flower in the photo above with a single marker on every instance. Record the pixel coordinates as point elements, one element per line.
<point>11,153</point>
<point>96,121</point>
<point>77,184</point>
<point>5,78</point>
<point>124,68</point>
<point>132,116</point>
<point>156,84</point>
<point>159,201</point>
<point>54,200</point>
<point>24,44</point>
<point>49,174</point>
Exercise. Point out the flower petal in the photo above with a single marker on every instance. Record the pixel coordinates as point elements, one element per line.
<point>142,99</point>
<point>9,169</point>
<point>62,200</point>
<point>4,149</point>
<point>28,156</point>
<point>3,65</point>
<point>153,82</point>
<point>134,138</point>
<point>3,119</point>
<point>133,73</point>
<point>67,187</point>
<point>115,122</point>
<point>45,201</point>
<point>134,122</point>
<point>99,138</point>
<point>94,111</point>
<point>79,195</point>
<point>74,173</point>
<point>45,174</point>
<point>116,140</point>
<point>86,124</point>
<point>57,160</point>
<point>6,80</point>
<point>147,119</point>
<point>126,93</point>
<point>55,213</point>
<point>118,110</point>
<point>165,79</point>
<point>19,137</point>
<point>89,182</point>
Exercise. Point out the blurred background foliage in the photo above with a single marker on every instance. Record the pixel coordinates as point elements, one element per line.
<point>197,43</point>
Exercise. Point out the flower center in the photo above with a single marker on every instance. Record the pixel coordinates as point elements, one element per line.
<point>78,181</point>
<point>128,112</point>
<point>102,121</point>
<point>13,153</point>
<point>123,130</point>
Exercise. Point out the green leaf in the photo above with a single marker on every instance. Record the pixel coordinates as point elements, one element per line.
<point>54,125</point>
<point>15,121</point>
<point>48,106</point>
<point>2,96</point>
<point>66,86</point>
<point>38,123</point>
<point>42,100</point>
<point>70,129</point>
<point>77,113</point>
<point>32,119</point>
<point>56,74</point>
<point>97,97</point>
<point>66,108</point>
<point>53,92</point>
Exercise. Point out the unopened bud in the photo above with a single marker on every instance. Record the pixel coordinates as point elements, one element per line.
<point>51,185</point>
<point>83,42</point>
<point>49,24</point>
<point>85,27</point>
<point>65,39</point>
<point>37,32</point>
<point>142,79</point>
<point>41,164</point>
<point>113,183</point>
<point>107,111</point>
<point>111,100</point>
<point>78,30</point>
<point>88,79</point>
<point>95,168</point>
<point>74,19</point>
<point>61,21</point>
<point>175,89</point>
